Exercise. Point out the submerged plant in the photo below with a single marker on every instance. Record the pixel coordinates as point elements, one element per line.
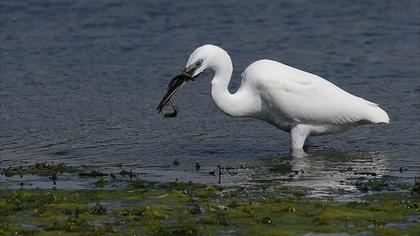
<point>98,209</point>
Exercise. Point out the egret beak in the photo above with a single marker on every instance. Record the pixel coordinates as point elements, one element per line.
<point>189,70</point>
<point>175,84</point>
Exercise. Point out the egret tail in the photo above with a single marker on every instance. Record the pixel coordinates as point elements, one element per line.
<point>377,115</point>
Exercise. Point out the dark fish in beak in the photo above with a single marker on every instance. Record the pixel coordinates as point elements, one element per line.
<point>175,84</point>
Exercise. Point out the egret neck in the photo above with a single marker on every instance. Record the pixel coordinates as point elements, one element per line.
<point>230,104</point>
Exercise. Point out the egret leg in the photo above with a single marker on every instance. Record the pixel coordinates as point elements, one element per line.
<point>298,135</point>
<point>306,144</point>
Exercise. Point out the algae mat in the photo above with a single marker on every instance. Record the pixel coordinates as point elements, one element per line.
<point>145,208</point>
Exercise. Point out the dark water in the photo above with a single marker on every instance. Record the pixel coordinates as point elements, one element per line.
<point>80,82</point>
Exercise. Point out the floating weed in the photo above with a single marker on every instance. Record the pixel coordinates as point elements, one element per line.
<point>100,183</point>
<point>39,168</point>
<point>406,186</point>
<point>176,162</point>
<point>195,209</point>
<point>416,188</point>
<point>73,212</point>
<point>371,185</point>
<point>98,209</point>
<point>50,166</point>
<point>293,191</point>
<point>130,173</point>
<point>112,176</point>
<point>233,204</point>
<point>11,171</point>
<point>178,229</point>
<point>93,174</point>
<point>138,184</point>
<point>16,229</point>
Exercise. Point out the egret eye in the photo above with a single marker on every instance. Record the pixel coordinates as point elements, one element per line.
<point>199,62</point>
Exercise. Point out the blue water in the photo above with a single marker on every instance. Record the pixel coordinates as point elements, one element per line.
<point>80,82</point>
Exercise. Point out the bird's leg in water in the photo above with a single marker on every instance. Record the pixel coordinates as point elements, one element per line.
<point>298,135</point>
<point>307,144</point>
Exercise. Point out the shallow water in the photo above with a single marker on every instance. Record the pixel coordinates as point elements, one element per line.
<point>80,82</point>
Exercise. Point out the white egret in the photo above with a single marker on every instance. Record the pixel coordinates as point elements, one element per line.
<point>292,100</point>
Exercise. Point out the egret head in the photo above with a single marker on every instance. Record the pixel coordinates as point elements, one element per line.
<point>194,69</point>
<point>198,61</point>
<point>203,58</point>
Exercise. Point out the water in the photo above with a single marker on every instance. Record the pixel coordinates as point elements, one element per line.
<point>80,82</point>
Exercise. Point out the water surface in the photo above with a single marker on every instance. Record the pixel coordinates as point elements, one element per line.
<point>80,82</point>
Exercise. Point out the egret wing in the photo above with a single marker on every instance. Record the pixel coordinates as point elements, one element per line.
<point>304,97</point>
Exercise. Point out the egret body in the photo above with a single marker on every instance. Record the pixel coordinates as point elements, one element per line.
<point>292,100</point>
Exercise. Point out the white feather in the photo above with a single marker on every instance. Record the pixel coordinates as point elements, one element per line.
<point>295,101</point>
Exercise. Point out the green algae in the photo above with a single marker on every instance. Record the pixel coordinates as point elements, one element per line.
<point>374,184</point>
<point>146,208</point>
<point>416,188</point>
<point>39,168</point>
<point>197,209</point>
<point>93,174</point>
<point>176,162</point>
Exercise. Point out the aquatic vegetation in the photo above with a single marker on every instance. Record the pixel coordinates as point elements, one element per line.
<point>200,209</point>
<point>100,182</point>
<point>98,209</point>
<point>39,168</point>
<point>176,162</point>
<point>374,184</point>
<point>416,188</point>
<point>130,174</point>
<point>141,207</point>
<point>93,173</point>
